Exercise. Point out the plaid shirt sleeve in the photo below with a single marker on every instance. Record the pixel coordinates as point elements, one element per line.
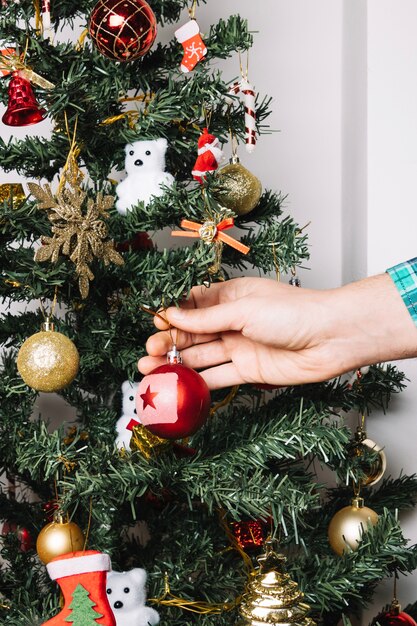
<point>404,276</point>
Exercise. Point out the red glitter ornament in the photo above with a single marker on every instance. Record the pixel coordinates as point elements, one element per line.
<point>122,30</point>
<point>249,534</point>
<point>23,535</point>
<point>173,401</point>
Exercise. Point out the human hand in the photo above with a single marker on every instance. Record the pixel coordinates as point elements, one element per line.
<point>255,330</point>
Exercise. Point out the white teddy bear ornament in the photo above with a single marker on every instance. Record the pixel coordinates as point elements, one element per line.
<point>145,168</point>
<point>126,594</point>
<point>129,390</point>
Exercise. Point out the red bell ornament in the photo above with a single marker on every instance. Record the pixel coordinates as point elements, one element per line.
<point>22,108</point>
<point>173,401</point>
<point>122,30</point>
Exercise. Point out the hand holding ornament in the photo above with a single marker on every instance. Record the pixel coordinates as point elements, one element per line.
<point>255,330</point>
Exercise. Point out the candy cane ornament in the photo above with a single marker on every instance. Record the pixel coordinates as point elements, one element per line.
<point>245,88</point>
<point>46,18</point>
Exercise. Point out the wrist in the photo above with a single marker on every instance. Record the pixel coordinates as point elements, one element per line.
<point>370,323</point>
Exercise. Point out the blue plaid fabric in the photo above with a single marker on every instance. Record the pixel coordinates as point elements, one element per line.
<point>404,276</point>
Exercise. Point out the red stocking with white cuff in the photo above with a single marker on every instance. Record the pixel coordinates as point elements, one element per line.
<point>82,578</point>
<point>194,47</point>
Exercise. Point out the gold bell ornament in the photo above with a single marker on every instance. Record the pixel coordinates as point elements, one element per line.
<point>374,470</point>
<point>239,189</point>
<point>271,596</point>
<point>348,525</point>
<point>48,360</point>
<point>59,537</point>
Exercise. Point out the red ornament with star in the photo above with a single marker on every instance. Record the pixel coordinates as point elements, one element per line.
<point>173,401</point>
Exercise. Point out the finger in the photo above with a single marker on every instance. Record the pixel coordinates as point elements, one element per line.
<point>148,363</point>
<point>160,343</point>
<point>213,319</point>
<point>225,375</point>
<point>197,357</point>
<point>206,355</point>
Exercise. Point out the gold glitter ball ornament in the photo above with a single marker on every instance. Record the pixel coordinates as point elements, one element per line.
<point>57,538</point>
<point>239,189</point>
<point>347,526</point>
<point>271,596</point>
<point>48,360</point>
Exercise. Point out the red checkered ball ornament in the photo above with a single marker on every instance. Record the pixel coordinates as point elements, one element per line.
<point>122,30</point>
<point>173,401</point>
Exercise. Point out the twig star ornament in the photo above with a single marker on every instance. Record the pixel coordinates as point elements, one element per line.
<point>77,232</point>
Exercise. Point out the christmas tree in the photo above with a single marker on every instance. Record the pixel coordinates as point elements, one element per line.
<point>81,606</point>
<point>79,249</point>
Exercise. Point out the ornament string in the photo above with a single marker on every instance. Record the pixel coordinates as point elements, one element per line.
<point>227,400</point>
<point>192,10</point>
<point>47,316</point>
<point>87,532</point>
<point>199,607</point>
<point>70,171</point>
<point>164,319</point>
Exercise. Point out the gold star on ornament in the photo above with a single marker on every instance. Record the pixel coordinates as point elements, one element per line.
<point>148,397</point>
<point>78,233</point>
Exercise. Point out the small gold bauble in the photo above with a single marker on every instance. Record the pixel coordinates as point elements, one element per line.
<point>373,471</point>
<point>57,538</point>
<point>346,527</point>
<point>239,189</point>
<point>48,360</point>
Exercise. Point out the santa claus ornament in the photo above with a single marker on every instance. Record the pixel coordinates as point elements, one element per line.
<point>173,401</point>
<point>210,155</point>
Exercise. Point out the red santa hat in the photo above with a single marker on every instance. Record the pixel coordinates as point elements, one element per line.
<point>206,139</point>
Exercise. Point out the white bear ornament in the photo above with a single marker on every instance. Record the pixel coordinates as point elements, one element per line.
<point>126,594</point>
<point>145,168</point>
<point>129,390</point>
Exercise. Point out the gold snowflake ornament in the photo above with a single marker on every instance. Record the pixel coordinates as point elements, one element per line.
<point>81,234</point>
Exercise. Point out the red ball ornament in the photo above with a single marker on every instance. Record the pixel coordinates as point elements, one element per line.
<point>122,30</point>
<point>24,537</point>
<point>173,401</point>
<point>394,617</point>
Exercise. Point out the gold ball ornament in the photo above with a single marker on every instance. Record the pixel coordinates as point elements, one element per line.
<point>48,360</point>
<point>373,470</point>
<point>239,189</point>
<point>347,526</point>
<point>57,538</point>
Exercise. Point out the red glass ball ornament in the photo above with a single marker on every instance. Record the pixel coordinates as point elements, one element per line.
<point>24,537</point>
<point>122,30</point>
<point>391,618</point>
<point>173,401</point>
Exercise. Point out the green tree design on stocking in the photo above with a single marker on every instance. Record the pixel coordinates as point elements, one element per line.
<point>82,613</point>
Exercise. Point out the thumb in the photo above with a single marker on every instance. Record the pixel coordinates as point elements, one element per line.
<point>212,319</point>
